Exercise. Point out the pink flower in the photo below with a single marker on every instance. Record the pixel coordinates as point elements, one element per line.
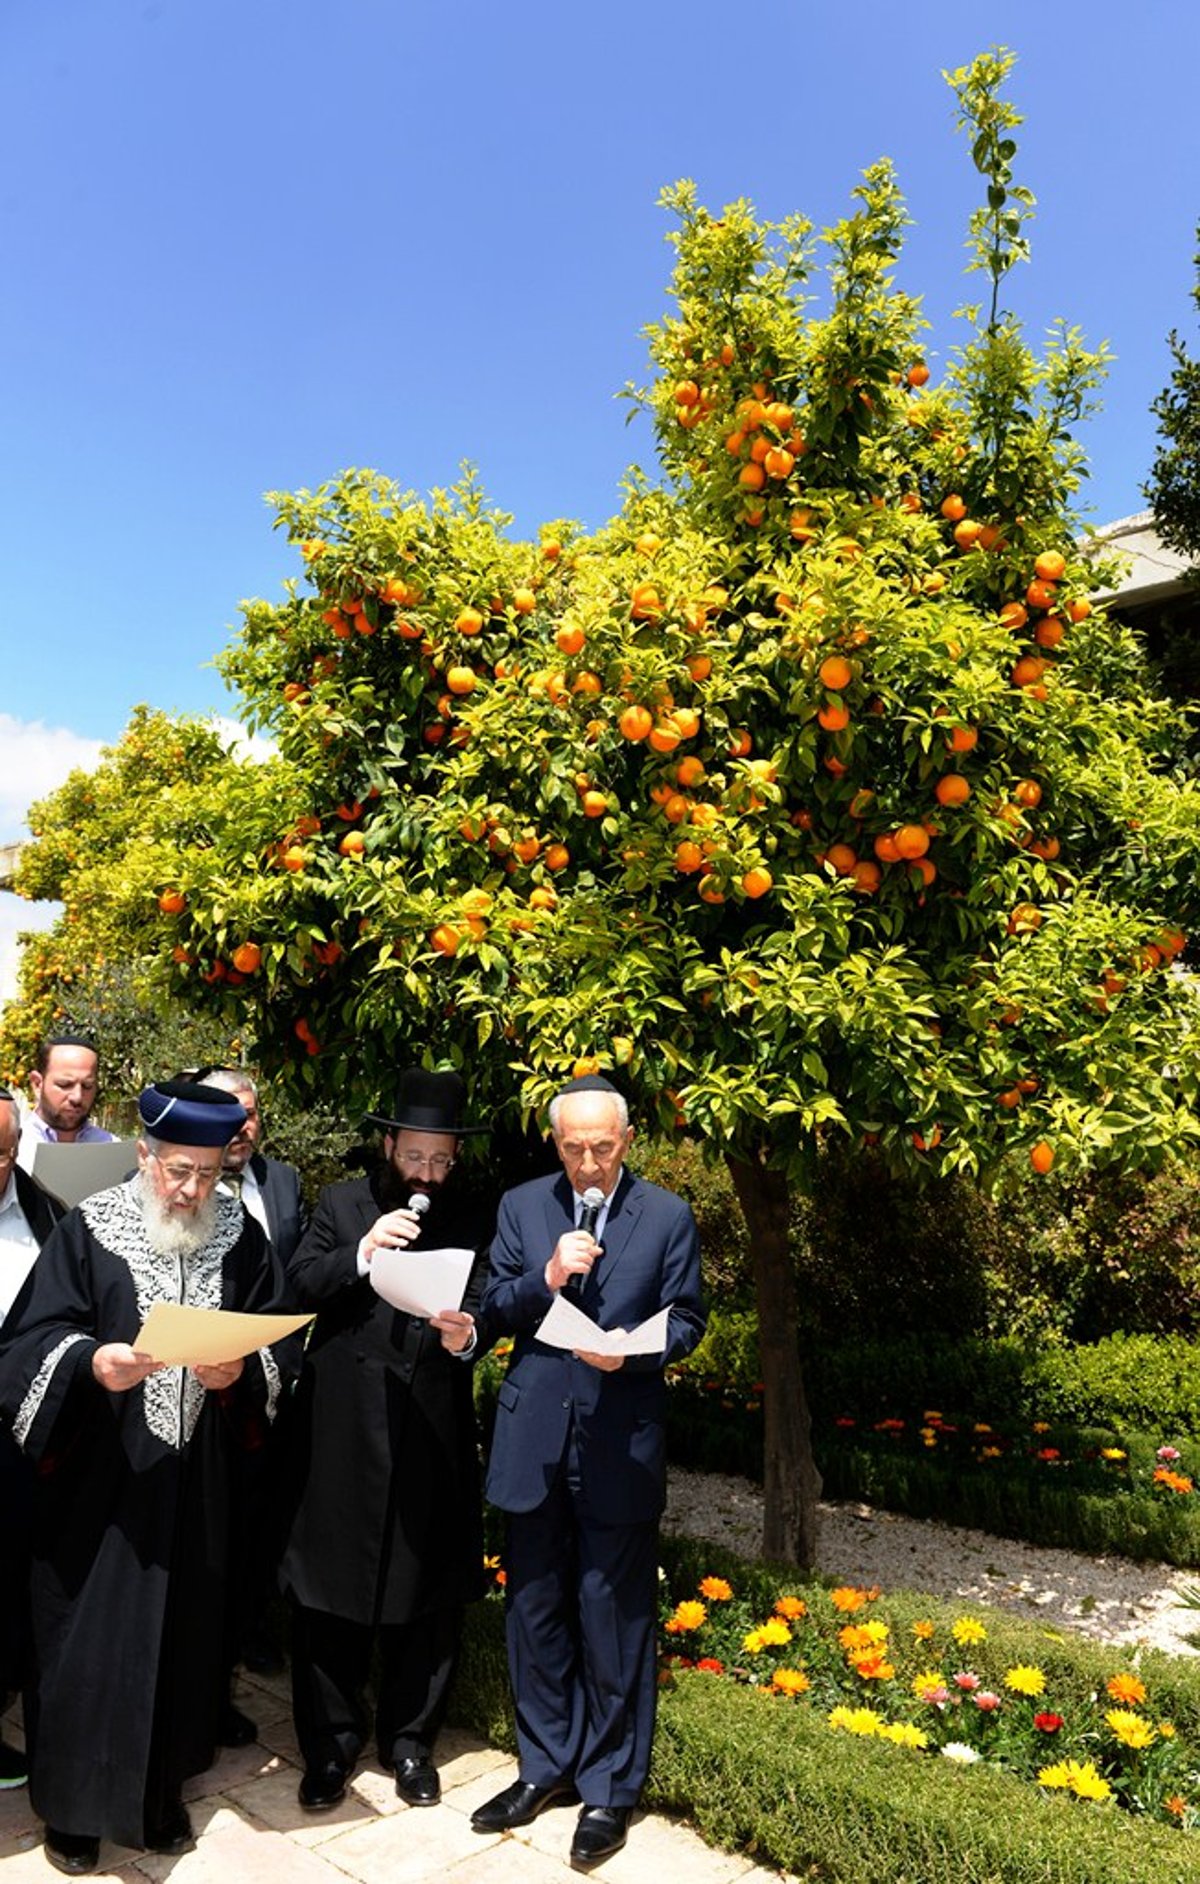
<point>986,1701</point>
<point>967,1682</point>
<point>1167,1453</point>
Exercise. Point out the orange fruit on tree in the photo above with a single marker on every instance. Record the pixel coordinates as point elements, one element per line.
<point>689,771</point>
<point>885,848</point>
<point>779,462</point>
<point>557,857</point>
<point>551,548</point>
<point>756,882</point>
<point>246,958</point>
<point>867,876</point>
<point>834,719</point>
<point>1014,615</point>
<point>699,666</point>
<point>542,898</point>
<point>710,891</point>
<point>468,621</point>
<point>461,680</point>
<point>595,804</point>
<point>569,638</point>
<point>1028,670</point>
<point>842,858</point>
<point>664,737</point>
<point>1041,1156</point>
<point>524,601</point>
<point>953,507</point>
<point>294,857</point>
<point>645,603</point>
<point>688,857</point>
<point>1080,609</point>
<point>918,374</point>
<point>475,902</point>
<point>927,1141</point>
<point>353,844</point>
<point>835,673</point>
<point>635,723</point>
<point>1050,566</point>
<point>1040,594</point>
<point>911,841</point>
<point>952,789</point>
<point>963,739</point>
<point>172,902</point>
<point>1028,793</point>
<point>752,476</point>
<point>740,743</point>
<point>1046,848</point>
<point>1050,631</point>
<point>1010,1098</point>
<point>1025,918</point>
<point>967,533</point>
<point>687,393</point>
<point>648,543</point>
<point>444,939</point>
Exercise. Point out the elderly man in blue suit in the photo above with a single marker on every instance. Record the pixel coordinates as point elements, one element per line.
<point>578,1462</point>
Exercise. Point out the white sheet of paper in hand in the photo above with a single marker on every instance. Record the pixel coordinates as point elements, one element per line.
<point>565,1326</point>
<point>422,1281</point>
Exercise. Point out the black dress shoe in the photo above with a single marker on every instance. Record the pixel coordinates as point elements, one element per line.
<point>72,1852</point>
<point>323,1787</point>
<point>601,1831</point>
<point>417,1782</point>
<point>235,1729</point>
<point>172,1834</point>
<point>519,1804</point>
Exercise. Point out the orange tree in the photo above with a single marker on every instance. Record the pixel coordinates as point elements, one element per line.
<point>811,795</point>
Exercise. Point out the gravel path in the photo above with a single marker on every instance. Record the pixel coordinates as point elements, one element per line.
<point>1108,1598</point>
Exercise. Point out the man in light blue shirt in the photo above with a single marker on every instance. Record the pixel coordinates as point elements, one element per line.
<point>65,1085</point>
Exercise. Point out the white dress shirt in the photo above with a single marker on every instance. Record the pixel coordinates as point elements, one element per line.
<point>18,1246</point>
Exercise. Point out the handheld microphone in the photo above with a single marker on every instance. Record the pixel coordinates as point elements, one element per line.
<point>418,1203</point>
<point>593,1204</point>
<point>589,1217</point>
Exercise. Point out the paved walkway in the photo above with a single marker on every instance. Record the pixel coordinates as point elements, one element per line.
<point>250,1829</point>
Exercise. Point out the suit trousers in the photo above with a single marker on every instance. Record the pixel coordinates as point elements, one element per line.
<point>331,1663</point>
<point>581,1601</point>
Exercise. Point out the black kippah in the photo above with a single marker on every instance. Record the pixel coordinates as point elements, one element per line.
<point>195,1092</point>
<point>587,1082</point>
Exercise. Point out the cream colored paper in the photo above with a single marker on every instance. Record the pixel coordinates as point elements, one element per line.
<point>206,1337</point>
<point>566,1326</point>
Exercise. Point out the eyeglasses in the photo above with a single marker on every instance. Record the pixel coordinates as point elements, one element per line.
<point>438,1165</point>
<point>177,1175</point>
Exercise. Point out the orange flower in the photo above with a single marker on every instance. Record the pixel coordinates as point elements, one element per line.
<point>1127,1689</point>
<point>791,1608</point>
<point>790,1681</point>
<point>848,1599</point>
<point>715,1589</point>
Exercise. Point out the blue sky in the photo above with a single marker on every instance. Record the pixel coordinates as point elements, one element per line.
<point>248,243</point>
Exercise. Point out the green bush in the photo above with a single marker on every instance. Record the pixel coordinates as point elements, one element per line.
<point>766,1778</point>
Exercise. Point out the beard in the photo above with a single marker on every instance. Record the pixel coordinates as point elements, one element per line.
<point>174,1232</point>
<point>395,1189</point>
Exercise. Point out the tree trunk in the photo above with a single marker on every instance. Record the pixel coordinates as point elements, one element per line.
<point>791,1482</point>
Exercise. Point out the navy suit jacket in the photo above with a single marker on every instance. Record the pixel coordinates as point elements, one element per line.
<point>651,1258</point>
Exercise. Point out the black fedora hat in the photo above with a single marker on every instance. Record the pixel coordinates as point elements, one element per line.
<point>427,1102</point>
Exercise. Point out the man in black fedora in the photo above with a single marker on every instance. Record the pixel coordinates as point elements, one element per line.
<point>386,1535</point>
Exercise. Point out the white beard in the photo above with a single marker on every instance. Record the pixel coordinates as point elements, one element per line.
<point>170,1232</point>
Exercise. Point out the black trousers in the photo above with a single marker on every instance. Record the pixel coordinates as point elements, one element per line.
<point>331,1664</point>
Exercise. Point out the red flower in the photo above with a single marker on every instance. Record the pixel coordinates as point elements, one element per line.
<point>1048,1723</point>
<point>711,1665</point>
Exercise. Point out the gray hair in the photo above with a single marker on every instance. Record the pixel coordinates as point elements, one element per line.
<point>618,1103</point>
<point>229,1079</point>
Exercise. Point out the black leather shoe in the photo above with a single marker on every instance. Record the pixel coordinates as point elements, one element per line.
<point>235,1729</point>
<point>417,1782</point>
<point>601,1831</point>
<point>72,1852</point>
<point>323,1787</point>
<point>173,1834</point>
<point>519,1804</point>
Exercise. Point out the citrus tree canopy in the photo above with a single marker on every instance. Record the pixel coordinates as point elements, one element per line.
<point>810,795</point>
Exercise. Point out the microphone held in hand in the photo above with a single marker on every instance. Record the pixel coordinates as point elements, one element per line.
<point>418,1203</point>
<point>593,1204</point>
<point>589,1217</point>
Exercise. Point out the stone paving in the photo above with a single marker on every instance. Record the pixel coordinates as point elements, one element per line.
<point>251,1830</point>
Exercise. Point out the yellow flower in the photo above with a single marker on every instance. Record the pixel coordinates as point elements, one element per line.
<point>1025,1680</point>
<point>1087,1783</point>
<point>1111,1452</point>
<point>753,1642</point>
<point>847,1599</point>
<point>715,1589</point>
<point>774,1632</point>
<point>790,1681</point>
<point>1167,1729</point>
<point>689,1616</point>
<point>1130,1729</point>
<point>861,1635</point>
<point>1126,1688</point>
<point>855,1720</point>
<point>932,1682</point>
<point>968,1629</point>
<point>990,1452</point>
<point>1056,1777</point>
<point>790,1607</point>
<point>904,1734</point>
<point>922,1631</point>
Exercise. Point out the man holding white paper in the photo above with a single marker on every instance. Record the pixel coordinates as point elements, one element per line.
<point>135,1462</point>
<point>386,1540</point>
<point>578,1462</point>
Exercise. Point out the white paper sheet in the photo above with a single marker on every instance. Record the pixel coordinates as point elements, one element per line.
<point>566,1326</point>
<point>422,1281</point>
<point>182,1336</point>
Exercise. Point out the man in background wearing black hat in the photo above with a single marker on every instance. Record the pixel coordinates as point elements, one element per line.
<point>387,1536</point>
<point>578,1462</point>
<point>132,1500</point>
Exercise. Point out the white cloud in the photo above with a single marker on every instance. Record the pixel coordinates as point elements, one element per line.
<point>240,743</point>
<point>34,760</point>
<point>17,915</point>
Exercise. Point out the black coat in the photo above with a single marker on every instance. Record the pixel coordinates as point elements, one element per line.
<point>132,1508</point>
<point>287,1218</point>
<point>386,1514</point>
